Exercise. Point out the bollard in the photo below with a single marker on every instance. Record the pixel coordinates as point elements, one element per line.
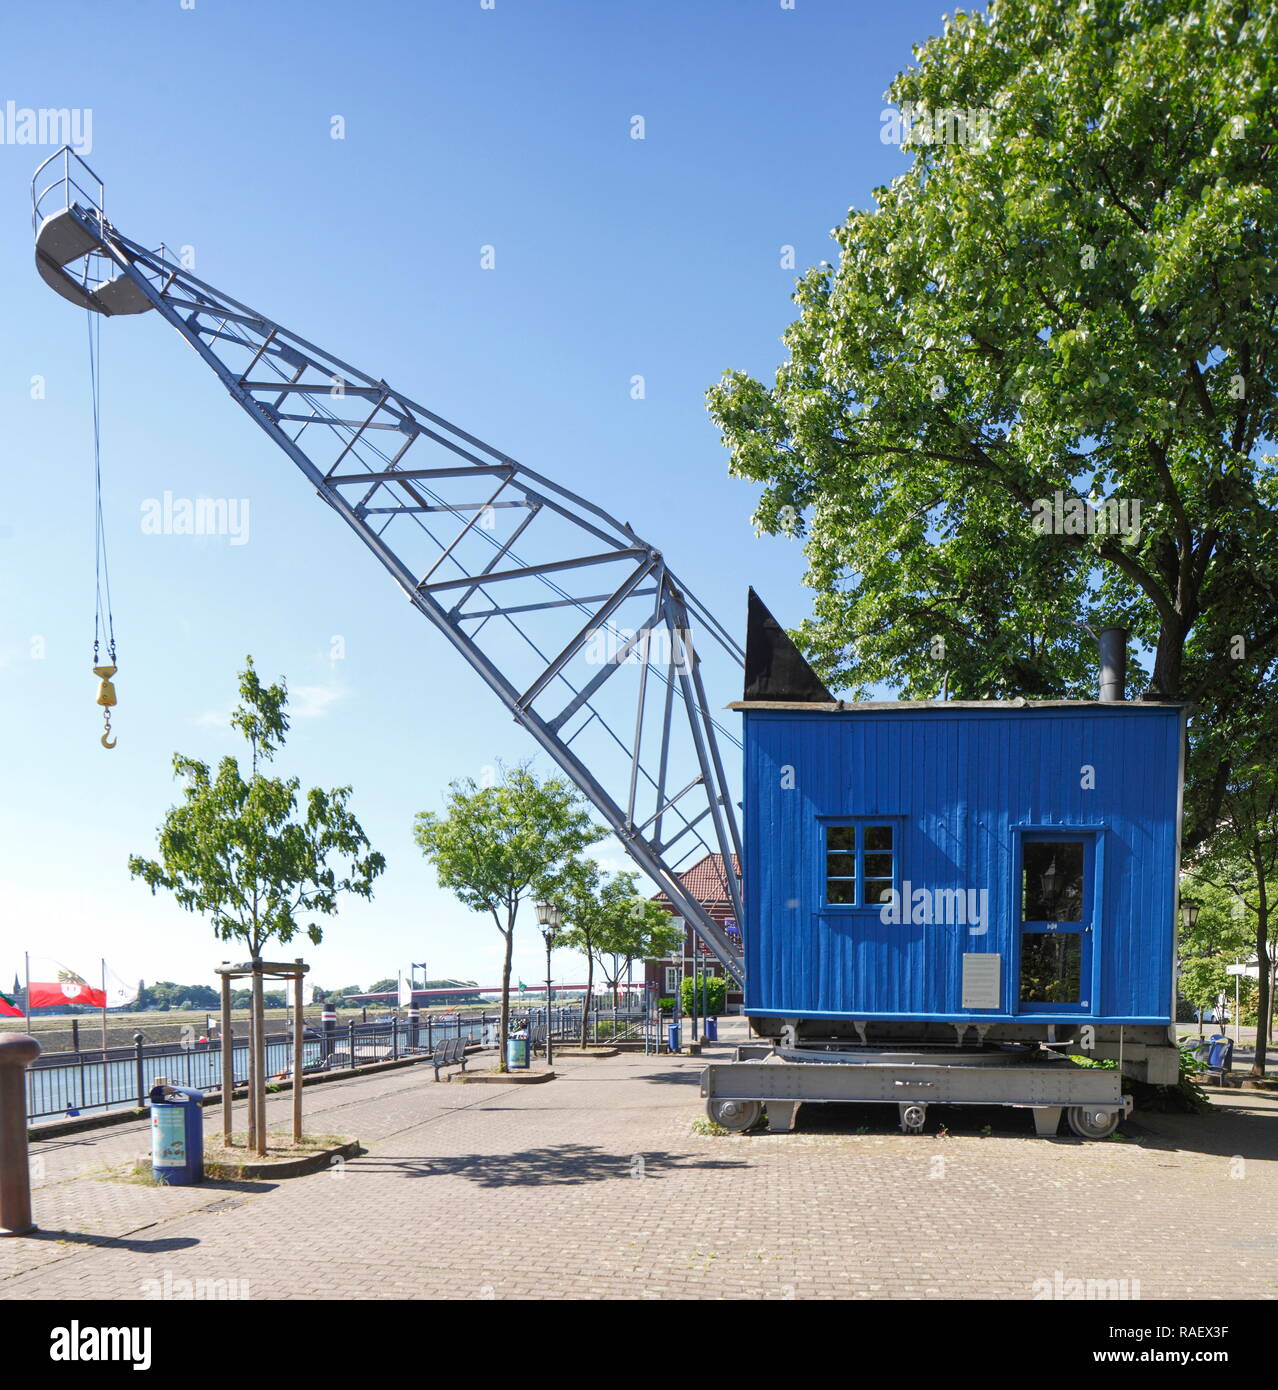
<point>17,1052</point>
<point>414,1026</point>
<point>137,1063</point>
<point>328,1021</point>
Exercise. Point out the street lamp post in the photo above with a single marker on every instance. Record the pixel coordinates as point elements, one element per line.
<point>549,917</point>
<point>1188,919</point>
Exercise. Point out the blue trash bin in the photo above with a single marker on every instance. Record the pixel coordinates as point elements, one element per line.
<point>177,1134</point>
<point>517,1052</point>
<point>672,1037</point>
<point>712,1030</point>
<point>1221,1056</point>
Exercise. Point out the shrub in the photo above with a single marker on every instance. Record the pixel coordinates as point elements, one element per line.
<point>713,989</point>
<point>1186,1097</point>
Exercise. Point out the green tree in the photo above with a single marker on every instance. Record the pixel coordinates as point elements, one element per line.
<point>320,995</point>
<point>645,932</point>
<point>604,917</point>
<point>1240,859</point>
<point>1070,288</point>
<point>239,853</point>
<point>164,994</point>
<point>1220,937</point>
<point>497,845</point>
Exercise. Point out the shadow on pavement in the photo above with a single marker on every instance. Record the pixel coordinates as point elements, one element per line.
<point>961,1121</point>
<point>560,1164</point>
<point>140,1247</point>
<point>1224,1131</point>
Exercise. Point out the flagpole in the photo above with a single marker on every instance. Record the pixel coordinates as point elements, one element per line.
<point>104,1004</point>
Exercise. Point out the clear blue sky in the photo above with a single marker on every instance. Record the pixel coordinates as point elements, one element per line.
<point>464,127</point>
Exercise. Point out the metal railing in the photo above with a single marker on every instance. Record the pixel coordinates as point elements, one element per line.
<point>96,1080</point>
<point>66,182</point>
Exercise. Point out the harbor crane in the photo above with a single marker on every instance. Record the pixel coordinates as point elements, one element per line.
<point>577,624</point>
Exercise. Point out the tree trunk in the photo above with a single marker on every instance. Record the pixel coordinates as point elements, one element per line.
<point>509,933</point>
<point>1262,971</point>
<point>250,1131</point>
<point>1169,657</point>
<point>259,1064</point>
<point>1273,980</point>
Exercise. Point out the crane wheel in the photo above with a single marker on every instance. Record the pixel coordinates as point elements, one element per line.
<point>1090,1123</point>
<point>736,1115</point>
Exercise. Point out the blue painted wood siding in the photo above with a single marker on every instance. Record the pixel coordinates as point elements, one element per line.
<point>960,784</point>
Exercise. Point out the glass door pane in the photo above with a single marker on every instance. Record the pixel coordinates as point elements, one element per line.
<point>1055,921</point>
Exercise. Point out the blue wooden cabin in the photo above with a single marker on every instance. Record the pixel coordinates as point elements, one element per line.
<point>909,867</point>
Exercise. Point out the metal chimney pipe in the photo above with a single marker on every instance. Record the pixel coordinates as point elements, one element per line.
<point>1113,663</point>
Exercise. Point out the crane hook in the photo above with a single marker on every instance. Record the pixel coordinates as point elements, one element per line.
<point>106,698</point>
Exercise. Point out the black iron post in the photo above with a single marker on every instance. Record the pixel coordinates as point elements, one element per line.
<point>137,1062</point>
<point>549,935</point>
<point>328,1023</point>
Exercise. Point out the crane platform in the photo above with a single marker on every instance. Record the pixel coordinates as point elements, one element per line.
<point>772,1082</point>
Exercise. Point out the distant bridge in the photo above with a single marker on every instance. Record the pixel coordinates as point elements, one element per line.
<point>390,996</point>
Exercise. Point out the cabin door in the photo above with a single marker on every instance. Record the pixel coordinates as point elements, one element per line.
<point>1055,907</point>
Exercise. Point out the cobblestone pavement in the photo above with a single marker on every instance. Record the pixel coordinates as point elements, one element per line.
<point>596,1185</point>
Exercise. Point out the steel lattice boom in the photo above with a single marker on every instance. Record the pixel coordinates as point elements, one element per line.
<point>574,622</point>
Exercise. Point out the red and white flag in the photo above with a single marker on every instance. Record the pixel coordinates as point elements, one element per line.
<point>65,987</point>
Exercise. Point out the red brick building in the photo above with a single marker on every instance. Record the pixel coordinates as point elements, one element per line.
<point>706,882</point>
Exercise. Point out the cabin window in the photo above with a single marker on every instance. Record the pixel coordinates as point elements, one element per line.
<point>1052,881</point>
<point>860,864</point>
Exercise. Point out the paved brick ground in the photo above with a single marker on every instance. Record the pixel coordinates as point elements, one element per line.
<point>597,1186</point>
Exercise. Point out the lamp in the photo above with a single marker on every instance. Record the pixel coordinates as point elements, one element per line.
<point>549,917</point>
<point>1188,913</point>
<point>1051,880</point>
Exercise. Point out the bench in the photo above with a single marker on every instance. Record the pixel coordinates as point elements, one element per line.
<point>450,1053</point>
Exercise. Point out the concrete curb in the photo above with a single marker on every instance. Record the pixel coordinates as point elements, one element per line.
<point>503,1078</point>
<point>219,1170</point>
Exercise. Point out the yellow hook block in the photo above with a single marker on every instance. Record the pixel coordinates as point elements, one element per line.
<point>106,691</point>
<point>106,698</point>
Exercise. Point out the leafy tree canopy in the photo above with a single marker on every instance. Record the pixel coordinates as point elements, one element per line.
<point>1072,288</point>
<point>239,852</point>
<point>497,845</point>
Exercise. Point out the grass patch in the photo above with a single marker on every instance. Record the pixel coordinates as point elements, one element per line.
<point>135,1175</point>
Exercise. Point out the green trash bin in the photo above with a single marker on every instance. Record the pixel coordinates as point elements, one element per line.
<point>517,1052</point>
